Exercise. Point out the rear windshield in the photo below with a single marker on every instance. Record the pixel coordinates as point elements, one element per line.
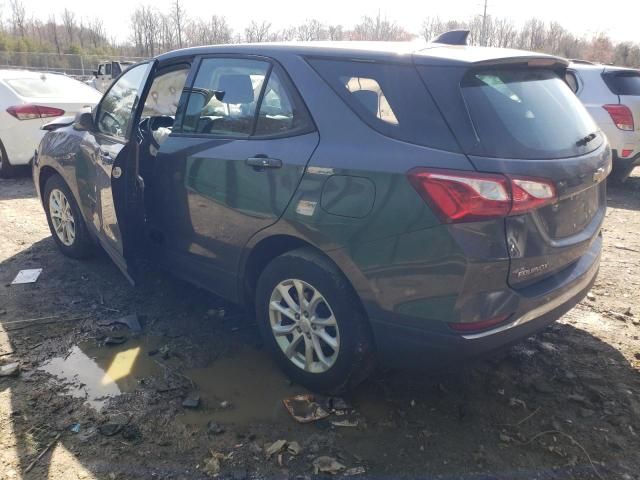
<point>390,98</point>
<point>528,114</point>
<point>49,86</point>
<point>623,83</point>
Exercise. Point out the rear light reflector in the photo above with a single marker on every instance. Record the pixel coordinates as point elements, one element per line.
<point>626,153</point>
<point>29,112</point>
<point>621,116</point>
<point>473,327</point>
<point>471,196</point>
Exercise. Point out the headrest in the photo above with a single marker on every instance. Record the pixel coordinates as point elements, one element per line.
<point>237,88</point>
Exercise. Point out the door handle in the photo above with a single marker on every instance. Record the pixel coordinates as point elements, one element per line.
<point>259,162</point>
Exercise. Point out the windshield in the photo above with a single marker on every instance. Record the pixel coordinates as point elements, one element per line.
<point>50,86</point>
<point>527,113</point>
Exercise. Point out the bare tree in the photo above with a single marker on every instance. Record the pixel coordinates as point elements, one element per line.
<point>258,32</point>
<point>378,28</point>
<point>18,17</point>
<point>69,21</point>
<point>311,30</point>
<point>336,32</point>
<point>178,17</point>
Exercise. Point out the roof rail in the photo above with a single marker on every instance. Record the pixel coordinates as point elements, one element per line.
<point>452,37</point>
<point>582,62</point>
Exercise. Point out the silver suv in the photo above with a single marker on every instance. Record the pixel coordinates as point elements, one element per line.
<point>612,97</point>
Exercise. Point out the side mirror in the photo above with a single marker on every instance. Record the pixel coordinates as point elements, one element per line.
<point>95,73</point>
<point>84,121</point>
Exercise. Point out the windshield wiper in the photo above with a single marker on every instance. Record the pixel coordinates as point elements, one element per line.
<point>584,140</point>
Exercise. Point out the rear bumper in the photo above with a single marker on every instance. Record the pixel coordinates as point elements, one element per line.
<point>624,166</point>
<point>538,306</point>
<point>20,142</point>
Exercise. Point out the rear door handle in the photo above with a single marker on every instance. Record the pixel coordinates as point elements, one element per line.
<point>263,162</point>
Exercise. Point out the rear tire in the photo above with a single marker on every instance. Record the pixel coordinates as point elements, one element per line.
<point>333,326</point>
<point>6,169</point>
<point>65,219</point>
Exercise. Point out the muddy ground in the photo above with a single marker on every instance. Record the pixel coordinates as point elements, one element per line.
<point>564,404</point>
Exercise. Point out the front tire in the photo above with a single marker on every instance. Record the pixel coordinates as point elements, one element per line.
<point>65,219</point>
<point>312,322</point>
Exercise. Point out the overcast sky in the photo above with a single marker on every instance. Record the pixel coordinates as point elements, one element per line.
<point>619,19</point>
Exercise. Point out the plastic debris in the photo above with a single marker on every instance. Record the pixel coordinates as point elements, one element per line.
<point>192,401</point>
<point>304,408</point>
<point>294,448</point>
<point>212,465</point>
<point>116,340</point>
<point>327,465</point>
<point>10,369</point>
<point>275,447</point>
<point>130,321</point>
<point>351,472</point>
<point>27,276</point>
<point>75,427</point>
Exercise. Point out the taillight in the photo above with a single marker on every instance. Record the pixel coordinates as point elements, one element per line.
<point>621,116</point>
<point>29,112</point>
<point>470,196</point>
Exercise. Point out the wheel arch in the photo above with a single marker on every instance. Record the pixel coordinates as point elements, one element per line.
<point>44,174</point>
<point>269,247</point>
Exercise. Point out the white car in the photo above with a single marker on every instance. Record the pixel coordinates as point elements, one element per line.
<point>28,100</point>
<point>612,97</point>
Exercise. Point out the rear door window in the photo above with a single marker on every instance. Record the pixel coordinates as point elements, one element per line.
<point>390,98</point>
<point>527,113</point>
<point>224,97</point>
<point>623,83</point>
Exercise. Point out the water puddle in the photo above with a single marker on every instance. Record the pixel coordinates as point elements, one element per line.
<point>100,373</point>
<point>249,381</point>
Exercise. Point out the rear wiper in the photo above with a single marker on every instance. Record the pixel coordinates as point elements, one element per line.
<point>584,140</point>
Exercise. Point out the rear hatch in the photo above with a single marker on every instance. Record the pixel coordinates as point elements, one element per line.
<point>517,117</point>
<point>626,84</point>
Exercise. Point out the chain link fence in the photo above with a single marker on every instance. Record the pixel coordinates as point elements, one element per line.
<point>74,65</point>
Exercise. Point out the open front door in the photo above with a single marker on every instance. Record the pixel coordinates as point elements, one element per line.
<point>119,196</point>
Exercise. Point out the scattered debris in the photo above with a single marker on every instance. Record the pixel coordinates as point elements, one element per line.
<point>327,465</point>
<point>275,447</point>
<point>75,427</point>
<point>516,402</point>
<point>214,428</point>
<point>212,465</point>
<point>43,452</point>
<point>131,432</point>
<point>27,276</point>
<point>10,369</point>
<point>620,246</point>
<point>115,340</point>
<point>110,429</point>
<point>225,404</point>
<point>192,401</point>
<point>346,422</point>
<point>130,321</point>
<point>304,408</point>
<point>294,448</point>
<point>352,472</point>
<point>591,297</point>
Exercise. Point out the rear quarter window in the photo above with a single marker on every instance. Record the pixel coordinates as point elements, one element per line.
<point>390,98</point>
<point>623,83</point>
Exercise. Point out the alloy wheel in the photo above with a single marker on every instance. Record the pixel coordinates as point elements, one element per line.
<point>62,217</point>
<point>304,326</point>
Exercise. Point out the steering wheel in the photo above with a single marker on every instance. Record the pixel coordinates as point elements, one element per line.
<point>151,124</point>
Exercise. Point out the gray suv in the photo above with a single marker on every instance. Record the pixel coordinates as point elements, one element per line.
<point>612,97</point>
<point>368,200</point>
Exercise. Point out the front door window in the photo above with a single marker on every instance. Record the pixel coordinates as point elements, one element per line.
<point>117,106</point>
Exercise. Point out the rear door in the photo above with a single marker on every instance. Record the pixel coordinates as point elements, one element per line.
<point>524,120</point>
<point>230,167</point>
<point>115,159</point>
